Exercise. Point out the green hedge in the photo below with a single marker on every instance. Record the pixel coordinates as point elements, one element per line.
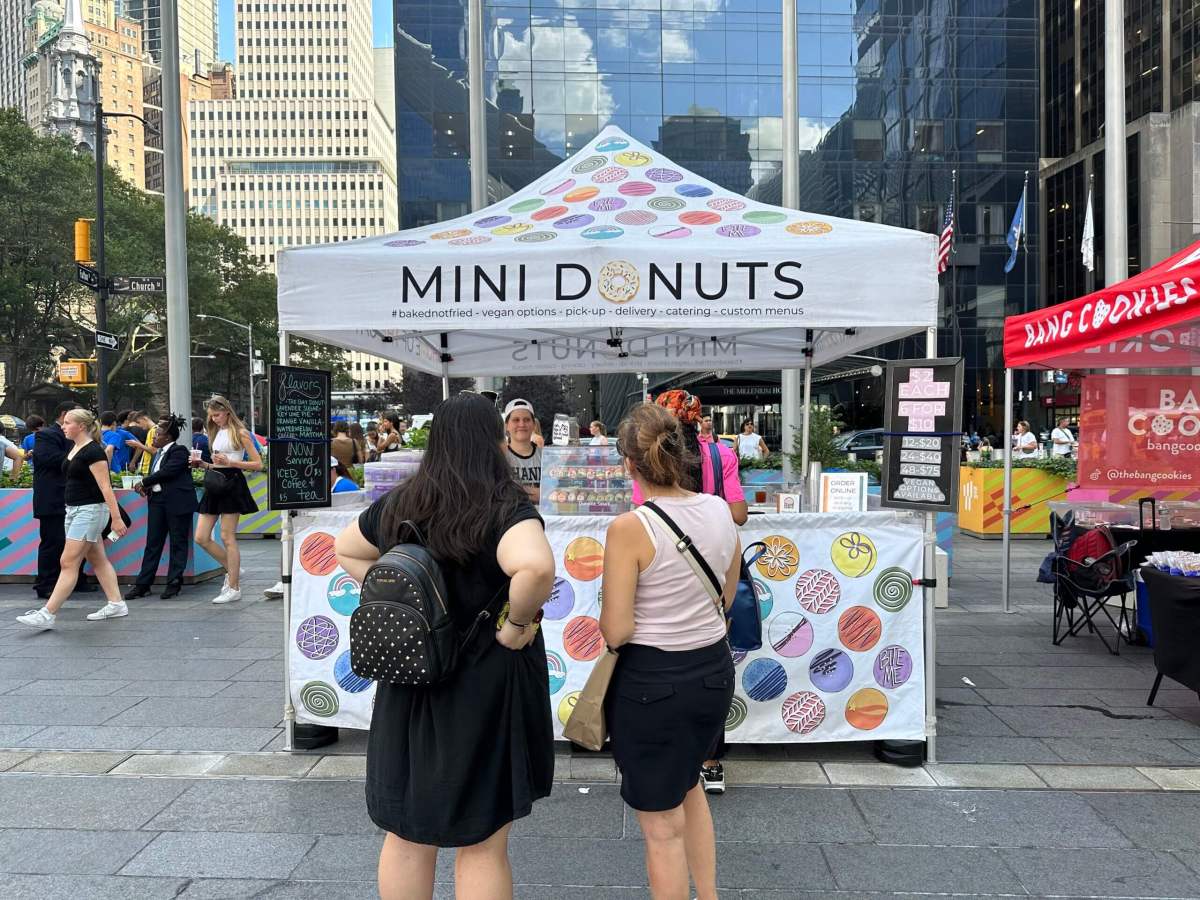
<point>1062,466</point>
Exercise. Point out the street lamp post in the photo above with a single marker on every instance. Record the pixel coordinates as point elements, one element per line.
<point>250,339</point>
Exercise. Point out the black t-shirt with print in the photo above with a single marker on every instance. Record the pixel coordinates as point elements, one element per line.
<point>82,488</point>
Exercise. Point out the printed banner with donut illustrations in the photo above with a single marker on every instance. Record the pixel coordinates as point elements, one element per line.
<point>843,628</point>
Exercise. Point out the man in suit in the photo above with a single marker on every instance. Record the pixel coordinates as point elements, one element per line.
<point>171,501</point>
<point>50,448</point>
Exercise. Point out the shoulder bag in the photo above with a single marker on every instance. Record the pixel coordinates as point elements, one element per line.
<point>745,619</point>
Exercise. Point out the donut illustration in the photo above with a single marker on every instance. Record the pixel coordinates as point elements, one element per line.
<point>536,237</point>
<point>765,597</point>
<point>726,204</point>
<point>632,158</point>
<point>664,176</point>
<point>579,194</point>
<point>781,559</point>
<point>764,679</point>
<point>803,712</point>
<point>342,594</point>
<point>737,713</point>
<point>618,281</point>
<point>404,243</point>
<point>591,164</point>
<point>452,233</point>
<point>611,145</point>
<point>524,206</point>
<point>669,232</point>
<point>803,228</point>
<point>492,221</point>
<point>764,217</point>
<point>693,190</point>
<point>602,232</point>
<point>320,699</point>
<point>345,677</point>
<point>606,204</point>
<point>738,231</point>
<point>636,189</point>
<point>549,212</point>
<point>317,637</point>
<point>859,628</point>
<point>610,175</point>
<point>853,554</point>
<point>790,634</point>
<point>576,221</point>
<point>566,705</point>
<point>866,709</point>
<point>893,589</point>
<point>699,217</point>
<point>666,204</point>
<point>472,241</point>
<point>556,670</point>
<point>512,228</point>
<point>739,656</point>
<point>582,639</point>
<point>556,186</point>
<point>584,559</point>
<point>893,667</point>
<point>316,554</point>
<point>831,670</point>
<point>818,591</point>
<point>561,602</point>
<point>636,217</point>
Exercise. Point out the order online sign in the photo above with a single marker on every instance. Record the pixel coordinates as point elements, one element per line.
<point>1139,431</point>
<point>922,425</point>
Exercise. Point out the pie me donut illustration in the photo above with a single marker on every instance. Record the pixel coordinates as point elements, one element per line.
<point>512,228</point>
<point>567,705</point>
<point>618,281</point>
<point>632,158</point>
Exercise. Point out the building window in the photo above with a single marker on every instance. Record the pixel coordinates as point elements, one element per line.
<point>928,137</point>
<point>990,225</point>
<point>868,139</point>
<point>927,218</point>
<point>867,212</point>
<point>989,142</point>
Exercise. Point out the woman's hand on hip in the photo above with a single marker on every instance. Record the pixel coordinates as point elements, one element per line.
<point>515,638</point>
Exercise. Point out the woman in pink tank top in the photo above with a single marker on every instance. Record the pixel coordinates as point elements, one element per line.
<point>674,678</point>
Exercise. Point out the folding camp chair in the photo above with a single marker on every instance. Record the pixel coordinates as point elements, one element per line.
<point>1082,583</point>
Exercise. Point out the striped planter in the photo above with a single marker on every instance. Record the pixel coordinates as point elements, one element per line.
<point>265,521</point>
<point>981,501</point>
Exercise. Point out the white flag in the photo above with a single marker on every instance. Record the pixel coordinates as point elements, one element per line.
<point>1087,245</point>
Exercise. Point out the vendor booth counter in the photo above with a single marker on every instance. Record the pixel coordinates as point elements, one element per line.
<point>19,541</point>
<point>843,655</point>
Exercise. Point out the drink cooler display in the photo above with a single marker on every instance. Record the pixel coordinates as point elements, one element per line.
<point>584,481</point>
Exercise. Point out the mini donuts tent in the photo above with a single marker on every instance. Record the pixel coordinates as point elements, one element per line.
<point>1147,323</point>
<point>616,261</point>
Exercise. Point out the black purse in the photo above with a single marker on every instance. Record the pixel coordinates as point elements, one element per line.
<point>216,484</point>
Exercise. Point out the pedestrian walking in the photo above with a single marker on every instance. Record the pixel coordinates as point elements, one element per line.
<point>227,496</point>
<point>91,510</point>
<point>455,763</point>
<point>673,681</point>
<point>50,449</point>
<point>750,445</point>
<point>170,502</point>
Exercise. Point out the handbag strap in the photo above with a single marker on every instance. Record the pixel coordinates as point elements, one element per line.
<point>699,564</point>
<point>718,473</point>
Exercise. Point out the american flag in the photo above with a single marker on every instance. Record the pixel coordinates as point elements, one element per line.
<point>947,239</point>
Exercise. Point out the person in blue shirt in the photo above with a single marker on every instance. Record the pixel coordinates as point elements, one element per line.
<point>114,439</point>
<point>339,477</point>
<point>34,423</point>
<point>200,439</point>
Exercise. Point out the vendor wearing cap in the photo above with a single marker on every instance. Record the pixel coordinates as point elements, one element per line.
<point>524,456</point>
<point>339,477</point>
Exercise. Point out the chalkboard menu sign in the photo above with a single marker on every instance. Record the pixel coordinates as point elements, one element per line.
<point>298,457</point>
<point>922,440</point>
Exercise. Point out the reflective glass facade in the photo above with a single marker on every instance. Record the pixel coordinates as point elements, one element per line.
<point>894,95</point>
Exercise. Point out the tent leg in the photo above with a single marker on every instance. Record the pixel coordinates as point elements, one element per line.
<point>929,564</point>
<point>1006,549</point>
<point>445,387</point>
<point>806,424</point>
<point>285,570</point>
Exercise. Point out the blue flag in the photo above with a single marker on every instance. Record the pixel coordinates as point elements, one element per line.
<point>1015,232</point>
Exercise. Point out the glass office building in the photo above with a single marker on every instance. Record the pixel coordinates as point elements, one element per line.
<point>894,95</point>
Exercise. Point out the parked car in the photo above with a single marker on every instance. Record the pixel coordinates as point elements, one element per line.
<point>861,444</point>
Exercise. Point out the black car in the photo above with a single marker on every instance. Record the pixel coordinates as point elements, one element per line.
<point>861,444</point>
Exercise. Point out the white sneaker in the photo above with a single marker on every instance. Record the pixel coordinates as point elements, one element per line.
<point>229,595</point>
<point>275,592</point>
<point>225,580</point>
<point>109,611</point>
<point>37,618</point>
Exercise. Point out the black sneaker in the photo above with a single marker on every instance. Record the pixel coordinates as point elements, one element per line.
<point>714,779</point>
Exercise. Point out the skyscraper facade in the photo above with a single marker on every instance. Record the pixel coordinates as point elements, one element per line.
<point>14,45</point>
<point>197,30</point>
<point>894,96</point>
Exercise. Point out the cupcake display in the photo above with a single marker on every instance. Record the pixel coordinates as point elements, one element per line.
<point>584,481</point>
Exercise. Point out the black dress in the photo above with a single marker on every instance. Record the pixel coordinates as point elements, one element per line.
<point>450,765</point>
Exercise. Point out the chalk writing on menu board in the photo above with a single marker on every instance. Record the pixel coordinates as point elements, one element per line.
<point>298,460</point>
<point>923,418</point>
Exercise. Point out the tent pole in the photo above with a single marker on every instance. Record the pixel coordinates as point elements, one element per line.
<point>789,379</point>
<point>806,422</point>
<point>475,109</point>
<point>1007,502</point>
<point>929,564</point>
<point>286,539</point>
<point>445,387</point>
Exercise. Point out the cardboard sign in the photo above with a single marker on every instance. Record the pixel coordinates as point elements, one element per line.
<point>922,440</point>
<point>843,492</point>
<point>298,440</point>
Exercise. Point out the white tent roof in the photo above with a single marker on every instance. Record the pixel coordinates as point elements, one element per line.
<point>617,260</point>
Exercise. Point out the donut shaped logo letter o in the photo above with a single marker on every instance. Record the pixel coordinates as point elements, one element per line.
<point>1162,425</point>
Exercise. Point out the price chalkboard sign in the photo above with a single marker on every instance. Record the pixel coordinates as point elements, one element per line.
<point>922,440</point>
<point>298,457</point>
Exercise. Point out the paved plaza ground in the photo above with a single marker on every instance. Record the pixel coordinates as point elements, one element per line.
<point>140,758</point>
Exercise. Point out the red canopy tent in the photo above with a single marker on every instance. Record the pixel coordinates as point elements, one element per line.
<point>1148,322</point>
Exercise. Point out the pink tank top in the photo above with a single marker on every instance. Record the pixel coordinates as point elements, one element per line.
<point>671,607</point>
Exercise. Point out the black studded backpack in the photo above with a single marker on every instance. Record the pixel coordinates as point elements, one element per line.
<point>402,631</point>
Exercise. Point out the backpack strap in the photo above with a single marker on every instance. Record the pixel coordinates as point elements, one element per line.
<point>684,545</point>
<point>714,454</point>
<point>416,532</point>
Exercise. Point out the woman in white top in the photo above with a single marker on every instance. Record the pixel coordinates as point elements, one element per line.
<point>674,679</point>
<point>750,444</point>
<point>1025,441</point>
<point>1062,439</point>
<point>599,434</point>
<point>227,496</point>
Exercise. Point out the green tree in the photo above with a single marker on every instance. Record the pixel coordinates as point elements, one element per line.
<point>420,392</point>
<point>546,394</point>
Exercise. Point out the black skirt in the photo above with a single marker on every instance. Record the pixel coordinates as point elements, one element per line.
<point>666,712</point>
<point>236,498</point>
<point>450,765</point>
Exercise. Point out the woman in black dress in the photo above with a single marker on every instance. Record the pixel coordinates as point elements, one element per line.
<point>454,764</point>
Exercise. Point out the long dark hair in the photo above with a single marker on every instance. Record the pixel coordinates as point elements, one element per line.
<point>464,490</point>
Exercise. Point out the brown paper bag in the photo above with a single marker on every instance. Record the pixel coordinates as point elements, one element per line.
<point>586,726</point>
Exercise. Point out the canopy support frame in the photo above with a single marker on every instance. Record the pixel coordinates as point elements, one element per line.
<point>1006,510</point>
<point>286,541</point>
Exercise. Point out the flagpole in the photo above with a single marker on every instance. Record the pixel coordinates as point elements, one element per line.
<point>953,268</point>
<point>1025,290</point>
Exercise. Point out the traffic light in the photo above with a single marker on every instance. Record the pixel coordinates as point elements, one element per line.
<point>83,241</point>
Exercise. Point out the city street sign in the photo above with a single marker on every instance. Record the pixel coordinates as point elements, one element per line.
<point>106,340</point>
<point>87,276</point>
<point>138,284</point>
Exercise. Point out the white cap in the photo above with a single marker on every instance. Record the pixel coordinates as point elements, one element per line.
<point>514,405</point>
<point>333,462</point>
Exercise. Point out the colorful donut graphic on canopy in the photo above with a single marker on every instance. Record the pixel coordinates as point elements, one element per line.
<point>893,667</point>
<point>582,639</point>
<point>699,217</point>
<point>859,628</point>
<point>693,190</point>
<point>803,712</point>
<point>738,231</point>
<point>452,233</point>
<point>529,205</point>
<point>561,602</point>
<point>764,217</point>
<point>803,228</point>
<point>664,176</point>
<point>636,217</point>
<point>317,637</point>
<point>669,232</point>
<point>893,589</point>
<point>636,189</point>
<point>853,554</point>
<point>512,228</point>
<point>726,204</point>
<point>473,240</point>
<point>347,680</point>
<point>342,594</point>
<point>780,560</point>
<point>602,232</point>
<point>316,554</point>
<point>556,186</point>
<point>866,709</point>
<point>611,145</point>
<point>632,158</point>
<point>831,670</point>
<point>405,243</point>
<point>666,204</point>
<point>557,671</point>
<point>606,204</point>
<point>576,221</point>
<point>818,591</point>
<point>579,194</point>
<point>790,634</point>
<point>591,164</point>
<point>737,713</point>
<point>584,559</point>
<point>764,679</point>
<point>536,237</point>
<point>610,175</point>
<point>320,699</point>
<point>492,221</point>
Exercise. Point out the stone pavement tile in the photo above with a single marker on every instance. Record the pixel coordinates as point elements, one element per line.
<point>983,776</point>
<point>994,750</point>
<point>221,804</point>
<point>263,670</point>
<point>970,721</point>
<point>587,862</point>
<point>959,696</point>
<point>1173,779</point>
<point>93,887</point>
<point>1131,722</point>
<point>1190,858</point>
<point>340,767</point>
<point>344,857</point>
<point>1168,698</point>
<point>82,762</point>
<point>1101,873</point>
<point>1128,751</point>
<point>1192,746</point>
<point>1038,697</point>
<point>68,687</point>
<point>587,768</point>
<point>764,867</point>
<point>221,855</point>
<point>351,741</point>
<point>99,802</point>
<point>1100,659</point>
<point>254,690</point>
<point>34,851</point>
<point>445,891</point>
<point>986,818</point>
<point>9,684</point>
<point>182,765</point>
<point>9,758</point>
<point>1163,820</point>
<point>778,772</point>
<point>570,813</point>
<point>927,869</point>
<point>174,669</point>
<point>211,712</point>
<point>1079,677</point>
<point>877,774</point>
<point>319,890</point>
<point>17,666</point>
<point>12,735</point>
<point>89,737</point>
<point>144,688</point>
<point>247,653</point>
<point>16,710</point>
<point>1189,713</point>
<point>1094,778</point>
<point>264,764</point>
<point>184,737</point>
<point>230,889</point>
<point>952,676</point>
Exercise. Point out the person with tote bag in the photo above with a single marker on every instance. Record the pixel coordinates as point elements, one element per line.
<point>672,679</point>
